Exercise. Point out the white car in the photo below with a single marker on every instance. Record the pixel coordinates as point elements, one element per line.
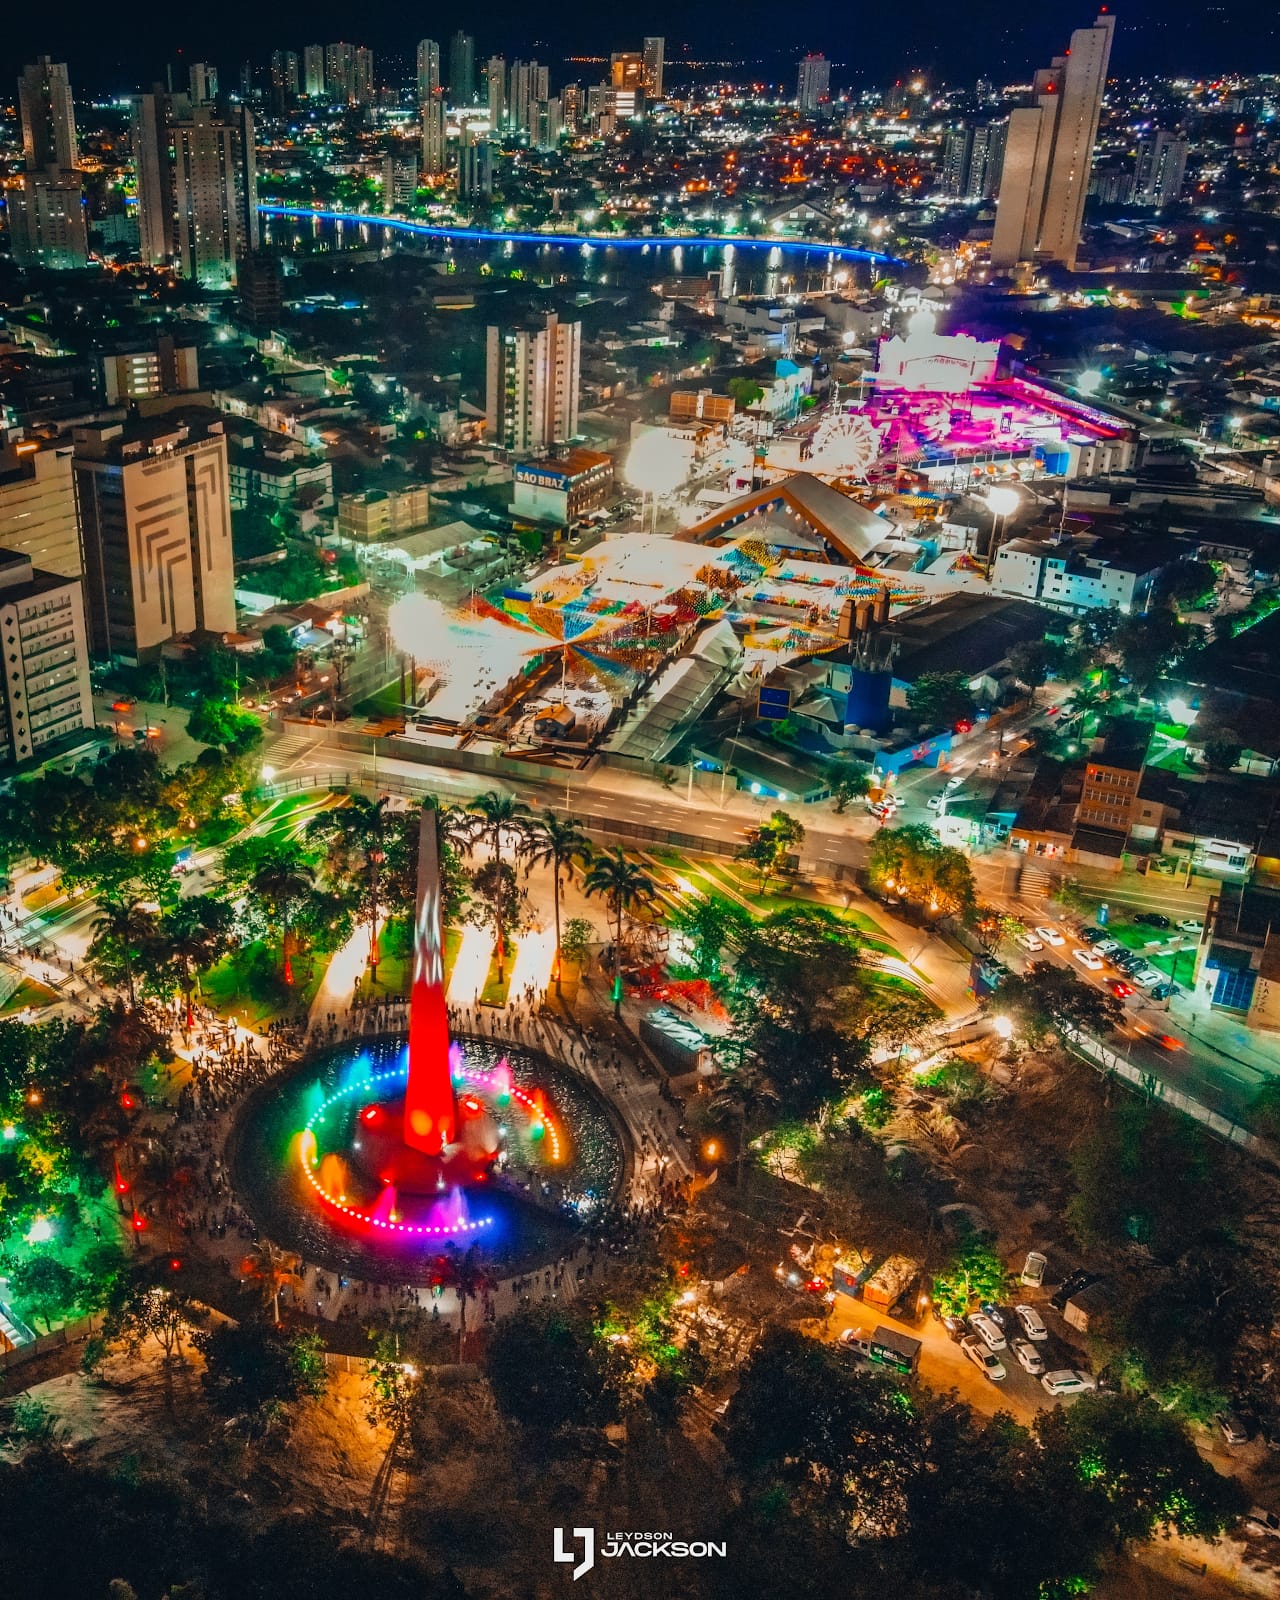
<point>978,1353</point>
<point>1032,1322</point>
<point>1029,1358</point>
<point>935,802</point>
<point>1028,941</point>
<point>1148,977</point>
<point>987,1330</point>
<point>1086,958</point>
<point>1067,1382</point>
<point>1050,936</point>
<point>1191,925</point>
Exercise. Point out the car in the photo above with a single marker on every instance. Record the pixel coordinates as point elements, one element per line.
<point>1033,1271</point>
<point>1128,962</point>
<point>1120,988</point>
<point>1148,977</point>
<point>1028,941</point>
<point>1029,1358</point>
<point>1107,947</point>
<point>1162,991</point>
<point>1051,936</point>
<point>977,1352</point>
<point>1086,958</point>
<point>1092,936</point>
<point>1152,919</point>
<point>987,1330</point>
<point>1032,1322</point>
<point>1233,1428</point>
<point>955,1327</point>
<point>1003,1319</point>
<point>1263,1521</point>
<point>1067,1381</point>
<point>1191,925</point>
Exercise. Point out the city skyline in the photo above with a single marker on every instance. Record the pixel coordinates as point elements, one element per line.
<point>1177,39</point>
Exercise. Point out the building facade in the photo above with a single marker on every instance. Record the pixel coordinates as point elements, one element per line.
<point>46,221</point>
<point>563,489</point>
<point>155,522</point>
<point>813,83</point>
<point>45,693</point>
<point>38,506</point>
<point>47,113</point>
<point>531,392</point>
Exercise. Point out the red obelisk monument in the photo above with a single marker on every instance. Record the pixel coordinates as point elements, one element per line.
<point>430,1116</point>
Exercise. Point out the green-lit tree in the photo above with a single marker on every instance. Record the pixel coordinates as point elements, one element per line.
<point>625,887</point>
<point>499,818</point>
<point>559,843</point>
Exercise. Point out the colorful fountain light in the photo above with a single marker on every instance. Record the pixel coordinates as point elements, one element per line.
<point>416,1136</point>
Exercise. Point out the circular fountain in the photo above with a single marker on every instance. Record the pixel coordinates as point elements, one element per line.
<point>369,1157</point>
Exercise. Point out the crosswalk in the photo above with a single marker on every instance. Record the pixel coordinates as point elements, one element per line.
<point>1034,883</point>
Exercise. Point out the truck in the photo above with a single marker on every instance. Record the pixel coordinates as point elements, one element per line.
<point>884,1347</point>
<point>890,1281</point>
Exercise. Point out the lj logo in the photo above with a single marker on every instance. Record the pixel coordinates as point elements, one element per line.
<point>588,1538</point>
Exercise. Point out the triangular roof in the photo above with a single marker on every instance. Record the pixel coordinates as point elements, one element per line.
<point>845,524</point>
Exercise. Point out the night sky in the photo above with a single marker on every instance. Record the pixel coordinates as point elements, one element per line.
<point>117,47</point>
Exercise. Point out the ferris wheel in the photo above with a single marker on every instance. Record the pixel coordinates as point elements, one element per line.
<point>847,443</point>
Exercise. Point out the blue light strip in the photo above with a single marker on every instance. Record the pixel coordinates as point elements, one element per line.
<point>430,231</point>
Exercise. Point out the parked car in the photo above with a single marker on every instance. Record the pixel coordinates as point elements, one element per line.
<point>1066,1381</point>
<point>1233,1428</point>
<point>1092,935</point>
<point>1107,947</point>
<point>1128,962</point>
<point>955,1326</point>
<point>1152,919</point>
<point>1050,936</point>
<point>1028,941</point>
<point>1032,1322</point>
<point>977,1352</point>
<point>1003,1319</point>
<point>1033,1270</point>
<point>1148,977</point>
<point>1162,991</point>
<point>1029,1358</point>
<point>1263,1521</point>
<point>1087,959</point>
<point>1191,925</point>
<point>987,1330</point>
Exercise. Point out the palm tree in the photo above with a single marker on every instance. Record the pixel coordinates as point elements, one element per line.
<point>196,932</point>
<point>495,815</point>
<point>467,1276</point>
<point>281,880</point>
<point>624,885</point>
<point>360,829</point>
<point>272,1269</point>
<point>125,925</point>
<point>558,843</point>
<point>745,1093</point>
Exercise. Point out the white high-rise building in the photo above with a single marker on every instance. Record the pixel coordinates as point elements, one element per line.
<point>1049,153</point>
<point>428,69</point>
<point>203,80</point>
<point>529,85</point>
<point>1159,169</point>
<point>313,71</point>
<point>813,82</point>
<point>531,393</point>
<point>37,505</point>
<point>46,221</point>
<point>495,78</point>
<point>45,693</point>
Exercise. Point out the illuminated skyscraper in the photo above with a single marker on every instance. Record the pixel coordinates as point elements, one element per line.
<point>428,69</point>
<point>1159,169</point>
<point>313,71</point>
<point>495,80</point>
<point>434,141</point>
<point>528,89</point>
<point>203,80</point>
<point>46,221</point>
<point>813,82</point>
<point>286,78</point>
<point>197,187</point>
<point>1049,152</point>
<point>626,70</point>
<point>362,80</point>
<point>654,65</point>
<point>340,74</point>
<point>48,116</point>
<point>531,393</point>
<point>462,69</point>
<point>475,165</point>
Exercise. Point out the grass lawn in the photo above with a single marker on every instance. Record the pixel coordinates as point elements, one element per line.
<point>496,990</point>
<point>226,988</point>
<point>387,702</point>
<point>28,993</point>
<point>395,972</point>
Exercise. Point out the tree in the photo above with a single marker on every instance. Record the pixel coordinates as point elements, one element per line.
<point>219,723</point>
<point>578,936</point>
<point>119,929</point>
<point>558,843</point>
<point>913,862</point>
<point>47,1289</point>
<point>547,1373</point>
<point>149,1309</point>
<point>848,782</point>
<point>745,392</point>
<point>835,1440</point>
<point>625,886</point>
<point>469,1278</point>
<point>745,1094</point>
<point>940,699</point>
<point>1030,660</point>
<point>1187,584</point>
<point>356,834</point>
<point>1149,645</point>
<point>974,1273</point>
<point>254,1372</point>
<point>498,815</point>
<point>1047,996</point>
<point>272,1269</point>
<point>283,880</point>
<point>708,926</point>
<point>195,934</point>
<point>1222,752</point>
<point>768,846</point>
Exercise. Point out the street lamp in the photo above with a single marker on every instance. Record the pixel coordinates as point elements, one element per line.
<point>1001,502</point>
<point>1090,380</point>
<point>1003,1026</point>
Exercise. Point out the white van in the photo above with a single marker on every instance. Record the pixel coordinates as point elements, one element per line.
<point>1067,1382</point>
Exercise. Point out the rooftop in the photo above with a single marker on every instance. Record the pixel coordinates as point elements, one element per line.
<point>964,632</point>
